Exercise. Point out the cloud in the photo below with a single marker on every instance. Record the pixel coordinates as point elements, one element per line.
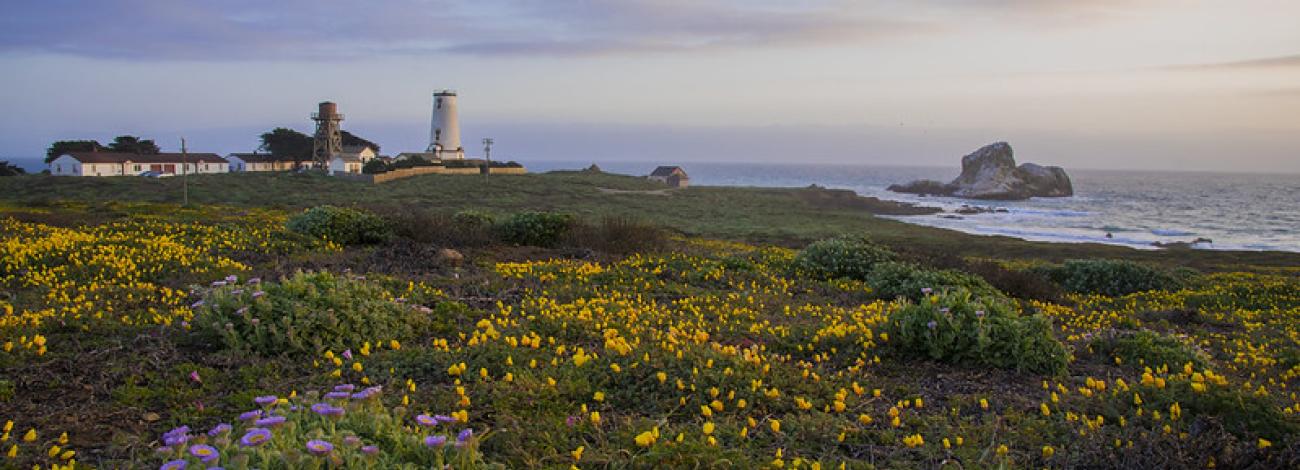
<point>333,29</point>
<point>1266,62</point>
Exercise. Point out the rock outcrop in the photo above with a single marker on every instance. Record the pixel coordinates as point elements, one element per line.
<point>991,173</point>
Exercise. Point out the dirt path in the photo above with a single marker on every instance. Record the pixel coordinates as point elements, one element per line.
<point>650,192</point>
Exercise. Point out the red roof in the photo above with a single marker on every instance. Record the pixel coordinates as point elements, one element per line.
<point>122,157</point>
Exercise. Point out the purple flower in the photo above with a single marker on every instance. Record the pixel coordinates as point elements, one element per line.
<point>370,450</point>
<point>326,409</point>
<point>400,300</point>
<point>270,421</point>
<point>319,447</point>
<point>247,415</point>
<point>426,420</point>
<point>256,280</point>
<point>437,440</point>
<point>337,395</point>
<point>236,292</point>
<point>204,452</point>
<point>194,375</point>
<point>266,399</point>
<point>196,304</point>
<point>571,421</point>
<point>932,324</point>
<point>347,354</point>
<point>218,283</point>
<point>173,465</point>
<point>345,387</point>
<point>944,310</point>
<point>368,393</point>
<point>351,440</point>
<point>926,290</point>
<point>464,436</point>
<point>220,429</point>
<point>258,294</point>
<point>232,278</point>
<point>255,321</point>
<point>255,437</point>
<point>241,311</point>
<point>176,436</point>
<point>979,313</point>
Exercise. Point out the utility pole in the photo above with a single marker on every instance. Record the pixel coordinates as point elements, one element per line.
<point>487,154</point>
<point>185,173</point>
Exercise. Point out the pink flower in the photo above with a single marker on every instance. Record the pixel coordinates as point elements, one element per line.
<point>194,376</point>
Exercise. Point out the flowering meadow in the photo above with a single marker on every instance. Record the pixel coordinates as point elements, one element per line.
<point>165,337</point>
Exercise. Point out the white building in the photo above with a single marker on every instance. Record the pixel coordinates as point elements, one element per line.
<point>261,162</point>
<point>344,163</point>
<point>130,164</point>
<point>444,133</point>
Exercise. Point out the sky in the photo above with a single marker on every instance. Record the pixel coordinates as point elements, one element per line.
<point>1201,85</point>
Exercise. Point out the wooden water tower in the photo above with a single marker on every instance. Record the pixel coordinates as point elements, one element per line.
<point>328,141</point>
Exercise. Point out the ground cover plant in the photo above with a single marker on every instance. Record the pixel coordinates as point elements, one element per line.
<point>680,352</point>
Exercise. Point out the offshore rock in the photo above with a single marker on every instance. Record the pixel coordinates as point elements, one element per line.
<point>991,173</point>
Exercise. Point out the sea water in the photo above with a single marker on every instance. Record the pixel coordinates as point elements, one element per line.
<point>1236,211</point>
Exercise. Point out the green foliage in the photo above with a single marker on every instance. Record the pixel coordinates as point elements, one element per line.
<point>1146,348</point>
<point>473,218</point>
<point>957,328</point>
<point>305,314</point>
<point>64,146</point>
<point>285,143</point>
<point>133,144</point>
<point>535,228</point>
<point>891,280</point>
<point>374,166</point>
<point>352,140</point>
<point>1111,277</point>
<point>850,257</point>
<point>340,225</point>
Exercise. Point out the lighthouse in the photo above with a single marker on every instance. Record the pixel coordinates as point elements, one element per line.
<point>444,133</point>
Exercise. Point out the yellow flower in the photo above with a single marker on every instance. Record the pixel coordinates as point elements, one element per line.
<point>776,425</point>
<point>1003,450</point>
<point>708,428</point>
<point>13,451</point>
<point>577,453</point>
<point>1264,443</point>
<point>645,439</point>
<point>595,418</point>
<point>30,436</point>
<point>1048,452</point>
<point>598,396</point>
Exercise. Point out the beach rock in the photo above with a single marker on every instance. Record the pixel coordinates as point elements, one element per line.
<point>991,173</point>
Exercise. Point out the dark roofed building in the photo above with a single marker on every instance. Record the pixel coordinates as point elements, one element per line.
<point>262,162</point>
<point>131,164</point>
<point>673,176</point>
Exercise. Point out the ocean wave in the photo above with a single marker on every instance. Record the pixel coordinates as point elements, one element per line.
<point>1171,233</point>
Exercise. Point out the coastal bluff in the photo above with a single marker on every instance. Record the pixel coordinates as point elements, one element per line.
<point>991,173</point>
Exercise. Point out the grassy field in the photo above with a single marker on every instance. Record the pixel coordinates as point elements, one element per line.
<point>787,217</point>
<point>137,333</point>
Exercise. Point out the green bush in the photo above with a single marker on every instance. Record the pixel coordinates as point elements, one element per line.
<point>1146,348</point>
<point>958,328</point>
<point>340,225</point>
<point>841,257</point>
<point>305,314</point>
<point>544,229</point>
<point>473,218</point>
<point>891,280</point>
<point>1111,277</point>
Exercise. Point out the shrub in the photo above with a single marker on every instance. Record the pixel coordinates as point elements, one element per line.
<point>958,328</point>
<point>304,314</point>
<point>617,234</point>
<point>544,229</point>
<point>1146,348</point>
<point>891,280</point>
<point>841,257</point>
<point>340,225</point>
<point>1111,277</point>
<point>374,166</point>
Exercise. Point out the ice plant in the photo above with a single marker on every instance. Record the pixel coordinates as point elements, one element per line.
<point>255,437</point>
<point>319,447</point>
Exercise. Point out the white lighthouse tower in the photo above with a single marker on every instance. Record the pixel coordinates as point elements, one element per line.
<point>444,135</point>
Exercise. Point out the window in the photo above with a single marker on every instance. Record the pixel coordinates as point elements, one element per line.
<point>438,103</point>
<point>137,168</point>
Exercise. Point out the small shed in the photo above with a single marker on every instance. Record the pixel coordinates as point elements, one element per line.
<point>673,176</point>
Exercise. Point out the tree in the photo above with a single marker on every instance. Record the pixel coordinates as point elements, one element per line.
<point>288,144</point>
<point>350,139</point>
<point>133,144</point>
<point>374,166</point>
<point>9,169</point>
<point>65,146</point>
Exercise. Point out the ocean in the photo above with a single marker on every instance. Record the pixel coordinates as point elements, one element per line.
<point>1235,211</point>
